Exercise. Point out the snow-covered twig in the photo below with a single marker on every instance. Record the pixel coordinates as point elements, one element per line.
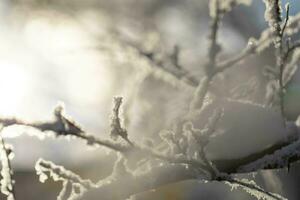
<point>249,50</point>
<point>199,95</point>
<point>252,188</point>
<point>273,17</point>
<point>71,181</point>
<point>256,46</point>
<point>7,180</point>
<point>279,159</point>
<point>178,74</point>
<point>123,187</point>
<point>63,126</point>
<point>116,129</point>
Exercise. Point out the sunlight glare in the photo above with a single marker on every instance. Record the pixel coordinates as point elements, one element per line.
<point>14,84</point>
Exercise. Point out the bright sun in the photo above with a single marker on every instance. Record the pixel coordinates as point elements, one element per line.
<point>14,84</point>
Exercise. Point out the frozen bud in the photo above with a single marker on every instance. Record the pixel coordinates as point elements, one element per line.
<point>59,109</point>
<point>251,45</point>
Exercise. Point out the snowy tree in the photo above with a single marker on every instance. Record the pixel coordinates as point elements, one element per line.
<point>214,139</point>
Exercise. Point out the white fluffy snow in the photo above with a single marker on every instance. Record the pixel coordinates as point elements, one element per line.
<point>245,128</point>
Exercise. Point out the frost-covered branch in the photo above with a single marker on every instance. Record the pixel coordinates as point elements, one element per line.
<point>252,188</point>
<point>175,75</point>
<point>233,166</point>
<point>59,173</point>
<point>273,17</point>
<point>7,181</point>
<point>249,50</point>
<point>257,46</point>
<point>73,185</point>
<point>214,47</point>
<point>279,159</point>
<point>199,95</point>
<point>185,167</point>
<point>64,126</point>
<point>125,186</point>
<point>163,175</point>
<point>185,156</point>
<point>116,129</point>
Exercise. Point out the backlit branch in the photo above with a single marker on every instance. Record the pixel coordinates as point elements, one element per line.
<point>7,181</point>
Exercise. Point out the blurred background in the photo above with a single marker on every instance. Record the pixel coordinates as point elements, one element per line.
<point>83,53</point>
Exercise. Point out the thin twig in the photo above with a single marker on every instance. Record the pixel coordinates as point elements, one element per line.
<point>60,129</point>
<point>249,50</point>
<point>281,63</point>
<point>252,187</point>
<point>286,19</point>
<point>116,129</point>
<point>7,172</point>
<point>213,47</point>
